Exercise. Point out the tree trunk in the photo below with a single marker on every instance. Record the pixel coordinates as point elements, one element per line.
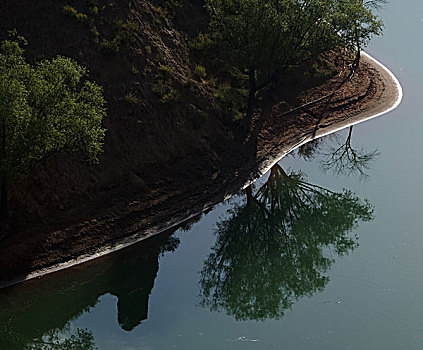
<point>356,63</point>
<point>357,59</point>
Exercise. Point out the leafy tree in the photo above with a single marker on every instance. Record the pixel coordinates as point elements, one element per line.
<point>264,37</point>
<point>278,245</point>
<point>356,24</point>
<point>45,108</point>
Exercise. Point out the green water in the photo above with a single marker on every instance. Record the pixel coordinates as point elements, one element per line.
<point>309,259</point>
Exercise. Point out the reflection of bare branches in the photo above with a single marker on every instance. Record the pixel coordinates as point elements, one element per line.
<point>313,148</point>
<point>346,160</point>
<point>309,150</point>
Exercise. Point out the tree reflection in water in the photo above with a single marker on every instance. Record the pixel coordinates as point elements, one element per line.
<point>344,159</point>
<point>82,339</point>
<point>277,246</point>
<point>40,316</point>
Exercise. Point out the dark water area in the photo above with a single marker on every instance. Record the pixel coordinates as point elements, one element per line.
<point>245,263</point>
<point>322,252</point>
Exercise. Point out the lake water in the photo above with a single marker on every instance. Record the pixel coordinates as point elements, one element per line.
<point>324,257</point>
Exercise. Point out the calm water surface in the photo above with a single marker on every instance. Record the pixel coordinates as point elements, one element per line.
<point>323,252</point>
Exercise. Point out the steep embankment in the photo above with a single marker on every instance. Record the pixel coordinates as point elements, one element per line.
<point>159,114</point>
<point>170,149</point>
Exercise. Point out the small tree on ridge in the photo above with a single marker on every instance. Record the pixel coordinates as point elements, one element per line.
<point>262,38</point>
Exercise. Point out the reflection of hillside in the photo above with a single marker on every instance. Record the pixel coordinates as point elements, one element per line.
<point>31,312</point>
<point>277,246</point>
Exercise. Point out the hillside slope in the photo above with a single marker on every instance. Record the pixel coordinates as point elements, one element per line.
<point>146,138</point>
<point>171,148</point>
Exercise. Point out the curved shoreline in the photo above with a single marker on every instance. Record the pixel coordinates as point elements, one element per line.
<point>393,95</point>
<point>374,112</point>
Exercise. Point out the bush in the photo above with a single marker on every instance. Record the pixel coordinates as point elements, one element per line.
<point>127,31</point>
<point>200,71</point>
<point>110,47</point>
<point>166,70</point>
<point>172,8</point>
<point>72,12</point>
<point>94,10</point>
<point>160,88</point>
<point>202,42</point>
<point>232,100</point>
<point>163,86</point>
<point>69,10</point>
<point>171,97</point>
<point>95,33</point>
<point>130,99</point>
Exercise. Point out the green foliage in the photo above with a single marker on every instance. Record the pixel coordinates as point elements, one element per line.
<point>94,10</point>
<point>203,42</point>
<point>171,97</point>
<point>166,71</point>
<point>81,17</point>
<point>72,12</point>
<point>278,245</point>
<point>160,57</point>
<point>135,70</point>
<point>95,33</point>
<point>172,8</point>
<point>164,86</point>
<point>69,10</point>
<point>110,47</point>
<point>46,108</point>
<point>127,31</point>
<point>317,72</point>
<point>232,100</point>
<point>122,31</point>
<point>146,71</point>
<point>355,22</point>
<point>266,33</point>
<point>82,339</point>
<point>130,99</point>
<point>200,71</point>
<point>168,10</point>
<point>264,37</point>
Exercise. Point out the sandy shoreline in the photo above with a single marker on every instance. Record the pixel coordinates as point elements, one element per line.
<point>392,97</point>
<point>388,99</point>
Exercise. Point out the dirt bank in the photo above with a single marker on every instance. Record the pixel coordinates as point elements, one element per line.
<point>372,91</point>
